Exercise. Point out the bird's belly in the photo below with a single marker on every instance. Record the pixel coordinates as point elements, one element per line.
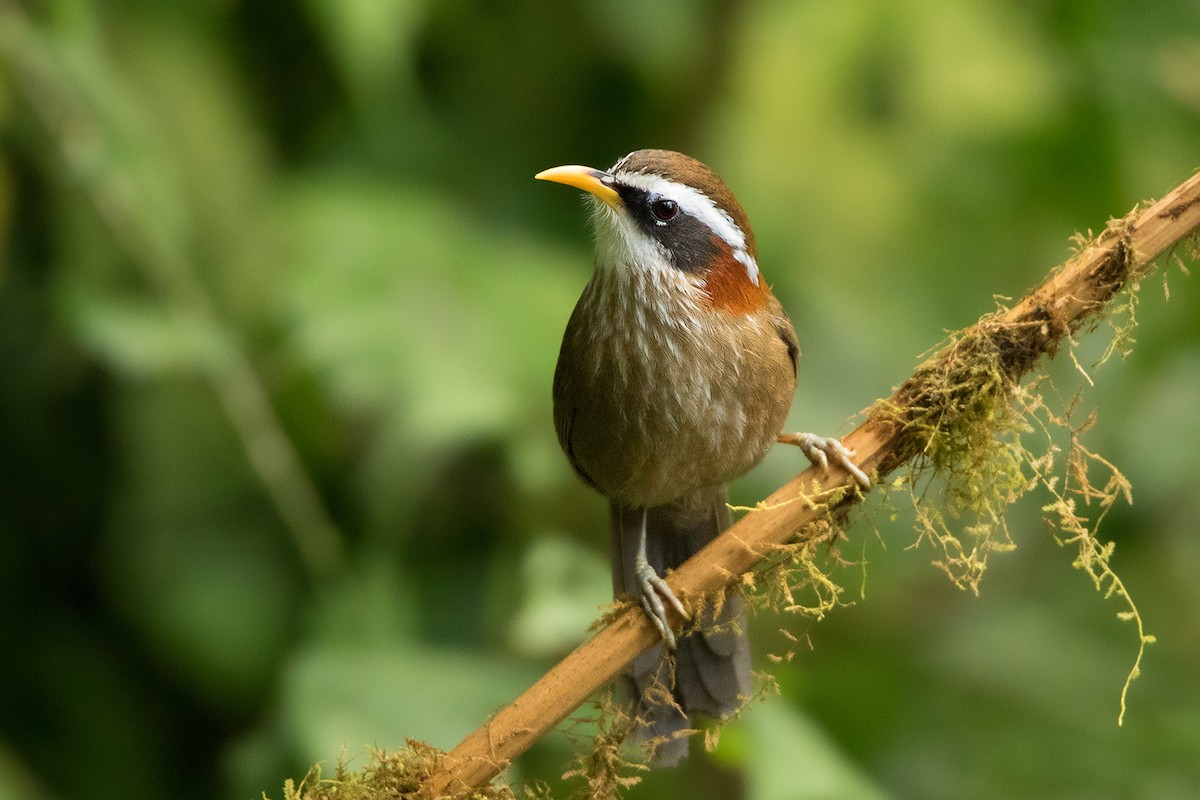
<point>651,426</point>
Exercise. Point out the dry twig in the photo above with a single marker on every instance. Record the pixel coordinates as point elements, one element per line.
<point>1007,343</point>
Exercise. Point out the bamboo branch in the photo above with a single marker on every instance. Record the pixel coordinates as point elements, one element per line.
<point>1014,340</point>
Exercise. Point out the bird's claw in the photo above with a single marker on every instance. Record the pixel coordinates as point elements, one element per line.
<point>819,449</point>
<point>654,591</point>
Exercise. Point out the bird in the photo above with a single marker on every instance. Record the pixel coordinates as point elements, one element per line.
<point>675,375</point>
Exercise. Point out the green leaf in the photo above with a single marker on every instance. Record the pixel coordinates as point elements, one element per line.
<point>564,585</point>
<point>788,757</point>
<point>344,697</point>
<point>141,337</point>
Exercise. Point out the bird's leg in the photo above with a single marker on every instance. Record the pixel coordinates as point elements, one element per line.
<point>819,449</point>
<point>655,590</point>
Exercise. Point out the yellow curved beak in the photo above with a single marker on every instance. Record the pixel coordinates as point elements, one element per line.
<point>597,182</point>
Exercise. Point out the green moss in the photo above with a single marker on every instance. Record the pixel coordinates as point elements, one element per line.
<point>967,460</point>
<point>606,768</point>
<point>396,775</point>
<point>977,440</point>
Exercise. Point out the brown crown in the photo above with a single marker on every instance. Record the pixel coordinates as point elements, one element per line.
<point>686,170</point>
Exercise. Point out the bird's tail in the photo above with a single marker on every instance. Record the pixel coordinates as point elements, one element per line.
<point>710,673</point>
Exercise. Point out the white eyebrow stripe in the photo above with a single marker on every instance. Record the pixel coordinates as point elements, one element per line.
<point>749,263</point>
<point>700,206</point>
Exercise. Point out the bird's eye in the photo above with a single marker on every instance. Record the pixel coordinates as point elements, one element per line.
<point>663,209</point>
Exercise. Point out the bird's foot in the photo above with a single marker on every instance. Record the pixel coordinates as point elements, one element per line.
<point>654,592</point>
<point>820,449</point>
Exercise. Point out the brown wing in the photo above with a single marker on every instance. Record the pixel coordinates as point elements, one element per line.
<point>783,326</point>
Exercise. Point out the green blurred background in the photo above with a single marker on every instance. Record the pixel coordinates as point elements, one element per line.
<point>279,309</point>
